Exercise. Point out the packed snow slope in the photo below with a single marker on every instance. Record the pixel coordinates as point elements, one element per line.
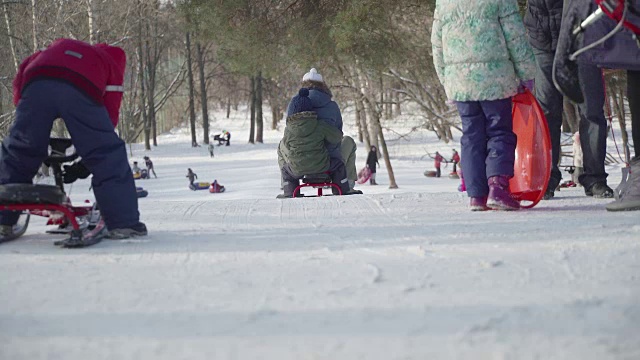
<point>392,274</point>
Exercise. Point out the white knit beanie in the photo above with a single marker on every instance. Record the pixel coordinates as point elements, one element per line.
<point>312,75</point>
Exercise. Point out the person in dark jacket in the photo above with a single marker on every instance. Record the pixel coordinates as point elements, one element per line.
<point>326,109</point>
<point>372,160</point>
<point>149,164</point>
<point>543,19</point>
<point>303,147</point>
<point>82,84</point>
<point>191,176</point>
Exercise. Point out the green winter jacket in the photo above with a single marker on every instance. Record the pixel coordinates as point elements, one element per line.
<point>303,145</point>
<point>480,49</point>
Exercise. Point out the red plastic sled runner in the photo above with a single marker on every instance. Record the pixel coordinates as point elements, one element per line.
<point>532,166</point>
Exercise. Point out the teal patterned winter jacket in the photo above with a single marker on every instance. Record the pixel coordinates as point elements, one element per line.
<point>480,49</point>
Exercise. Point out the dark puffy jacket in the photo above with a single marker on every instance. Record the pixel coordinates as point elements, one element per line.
<point>372,160</point>
<point>619,51</point>
<point>327,109</point>
<point>542,20</point>
<point>303,145</point>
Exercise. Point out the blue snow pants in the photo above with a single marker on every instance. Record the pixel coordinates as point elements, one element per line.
<point>488,142</point>
<point>92,134</point>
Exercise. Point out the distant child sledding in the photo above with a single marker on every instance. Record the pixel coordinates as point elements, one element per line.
<point>213,187</point>
<point>224,138</point>
<point>150,170</point>
<point>438,160</point>
<point>139,173</point>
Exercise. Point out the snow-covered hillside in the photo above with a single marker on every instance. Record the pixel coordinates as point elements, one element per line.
<point>392,274</point>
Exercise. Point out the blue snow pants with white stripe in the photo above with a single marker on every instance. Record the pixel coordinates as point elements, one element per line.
<point>92,134</point>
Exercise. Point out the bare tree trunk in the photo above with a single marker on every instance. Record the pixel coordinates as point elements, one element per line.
<point>367,111</point>
<point>259,118</point>
<point>388,114</point>
<point>363,120</point>
<point>203,94</point>
<point>252,101</point>
<point>359,122</point>
<point>10,35</point>
<point>141,80</point>
<point>385,152</point>
<point>228,107</point>
<point>374,125</point>
<point>92,37</point>
<point>151,91</point>
<point>398,107</point>
<point>275,114</point>
<point>375,115</point>
<point>383,143</point>
<point>192,110</point>
<point>34,33</point>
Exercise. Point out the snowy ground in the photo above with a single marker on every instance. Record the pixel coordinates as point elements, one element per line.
<point>392,274</point>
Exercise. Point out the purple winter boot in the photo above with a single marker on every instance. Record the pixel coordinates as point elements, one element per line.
<point>500,195</point>
<point>478,204</point>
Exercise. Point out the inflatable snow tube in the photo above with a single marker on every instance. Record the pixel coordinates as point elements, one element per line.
<point>199,186</point>
<point>219,189</point>
<point>430,173</point>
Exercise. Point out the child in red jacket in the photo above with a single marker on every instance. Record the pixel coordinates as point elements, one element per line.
<point>82,84</point>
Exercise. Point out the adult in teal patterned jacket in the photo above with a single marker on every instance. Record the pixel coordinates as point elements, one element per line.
<point>482,57</point>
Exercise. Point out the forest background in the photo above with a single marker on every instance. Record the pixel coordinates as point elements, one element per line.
<point>187,56</point>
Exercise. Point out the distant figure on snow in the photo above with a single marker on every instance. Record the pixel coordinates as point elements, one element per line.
<point>191,175</point>
<point>135,169</point>
<point>455,159</point>
<point>227,137</point>
<point>211,147</point>
<point>372,160</point>
<point>149,164</point>
<point>438,160</point>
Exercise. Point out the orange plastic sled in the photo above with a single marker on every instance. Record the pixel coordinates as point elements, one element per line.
<point>532,167</point>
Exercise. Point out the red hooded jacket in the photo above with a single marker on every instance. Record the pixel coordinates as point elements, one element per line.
<point>438,159</point>
<point>97,70</point>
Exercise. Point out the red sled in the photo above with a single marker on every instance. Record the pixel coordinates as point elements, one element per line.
<point>317,181</point>
<point>83,224</point>
<point>532,166</point>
